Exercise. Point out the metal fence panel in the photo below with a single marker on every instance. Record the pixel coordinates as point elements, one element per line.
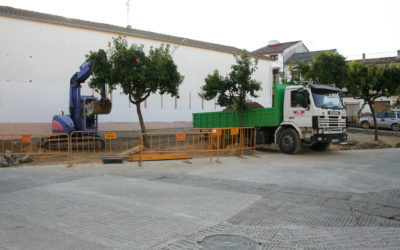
<point>49,145</point>
<point>97,145</point>
<point>197,142</point>
<point>83,146</point>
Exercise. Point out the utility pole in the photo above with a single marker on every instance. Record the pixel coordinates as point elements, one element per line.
<point>128,16</point>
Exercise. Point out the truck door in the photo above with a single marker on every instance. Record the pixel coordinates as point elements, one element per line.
<point>299,110</point>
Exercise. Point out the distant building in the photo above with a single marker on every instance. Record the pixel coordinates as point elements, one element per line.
<point>353,105</point>
<point>380,60</point>
<point>284,54</point>
<point>307,57</point>
<point>280,53</point>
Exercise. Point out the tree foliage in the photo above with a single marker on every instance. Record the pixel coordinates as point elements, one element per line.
<point>370,82</point>
<point>102,66</point>
<point>233,89</point>
<point>137,74</point>
<point>298,72</point>
<point>328,68</point>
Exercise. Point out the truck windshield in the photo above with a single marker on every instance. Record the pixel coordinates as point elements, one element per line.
<point>327,99</point>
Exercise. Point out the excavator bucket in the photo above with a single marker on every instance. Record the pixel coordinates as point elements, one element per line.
<point>102,107</point>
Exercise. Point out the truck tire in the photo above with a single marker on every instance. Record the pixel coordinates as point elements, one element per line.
<point>289,141</point>
<point>321,146</point>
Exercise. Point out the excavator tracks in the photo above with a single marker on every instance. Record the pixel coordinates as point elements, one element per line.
<point>92,142</point>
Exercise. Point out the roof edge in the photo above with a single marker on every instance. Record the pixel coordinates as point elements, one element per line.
<point>12,12</point>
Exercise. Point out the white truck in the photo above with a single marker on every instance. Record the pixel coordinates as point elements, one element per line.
<point>312,115</point>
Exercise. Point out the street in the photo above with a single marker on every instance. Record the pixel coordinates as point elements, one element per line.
<point>333,200</point>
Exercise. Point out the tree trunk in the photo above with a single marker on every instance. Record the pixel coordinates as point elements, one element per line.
<point>371,106</point>
<point>142,125</point>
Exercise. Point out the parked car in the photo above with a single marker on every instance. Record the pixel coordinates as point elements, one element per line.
<point>385,119</point>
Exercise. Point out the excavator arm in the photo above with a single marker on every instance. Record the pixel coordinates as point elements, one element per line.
<point>83,109</point>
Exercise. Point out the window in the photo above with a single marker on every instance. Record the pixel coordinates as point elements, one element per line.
<point>275,75</point>
<point>299,99</point>
<point>380,115</point>
<point>390,115</point>
<point>327,99</point>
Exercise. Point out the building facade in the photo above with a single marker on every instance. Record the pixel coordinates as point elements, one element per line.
<point>280,53</point>
<point>356,107</point>
<point>39,53</point>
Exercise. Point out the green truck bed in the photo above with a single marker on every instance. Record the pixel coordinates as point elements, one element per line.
<point>263,117</point>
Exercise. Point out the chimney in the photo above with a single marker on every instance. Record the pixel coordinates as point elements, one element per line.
<point>363,56</point>
<point>273,42</point>
<point>398,53</point>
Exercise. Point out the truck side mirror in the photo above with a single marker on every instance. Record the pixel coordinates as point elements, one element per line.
<point>306,104</point>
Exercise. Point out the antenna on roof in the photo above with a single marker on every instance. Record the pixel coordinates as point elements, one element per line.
<point>127,15</point>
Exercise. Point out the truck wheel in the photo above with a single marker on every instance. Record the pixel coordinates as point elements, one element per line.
<point>395,127</point>
<point>365,124</point>
<point>321,146</point>
<point>289,141</point>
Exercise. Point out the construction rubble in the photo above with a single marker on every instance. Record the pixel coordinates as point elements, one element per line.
<point>8,159</point>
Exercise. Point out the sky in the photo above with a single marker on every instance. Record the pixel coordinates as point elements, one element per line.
<point>352,27</point>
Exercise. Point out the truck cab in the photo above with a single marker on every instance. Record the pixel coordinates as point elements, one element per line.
<point>313,115</point>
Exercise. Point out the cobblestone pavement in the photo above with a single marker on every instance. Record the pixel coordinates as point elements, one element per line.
<point>337,200</point>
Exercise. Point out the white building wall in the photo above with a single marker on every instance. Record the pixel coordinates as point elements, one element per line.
<point>282,57</point>
<point>37,61</point>
<point>278,63</point>
<point>296,48</point>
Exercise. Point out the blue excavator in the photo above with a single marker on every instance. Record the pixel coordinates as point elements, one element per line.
<point>83,110</point>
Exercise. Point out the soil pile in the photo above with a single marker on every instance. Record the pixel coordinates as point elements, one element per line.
<point>373,145</point>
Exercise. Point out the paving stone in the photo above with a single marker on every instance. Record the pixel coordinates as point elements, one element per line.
<point>268,212</point>
<point>335,200</point>
<point>15,179</point>
<point>17,232</point>
<point>123,212</point>
<point>389,197</point>
<point>300,238</point>
<point>246,186</point>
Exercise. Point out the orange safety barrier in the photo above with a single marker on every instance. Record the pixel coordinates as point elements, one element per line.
<point>234,139</point>
<point>82,145</point>
<point>49,145</point>
<point>165,146</point>
<point>118,144</point>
